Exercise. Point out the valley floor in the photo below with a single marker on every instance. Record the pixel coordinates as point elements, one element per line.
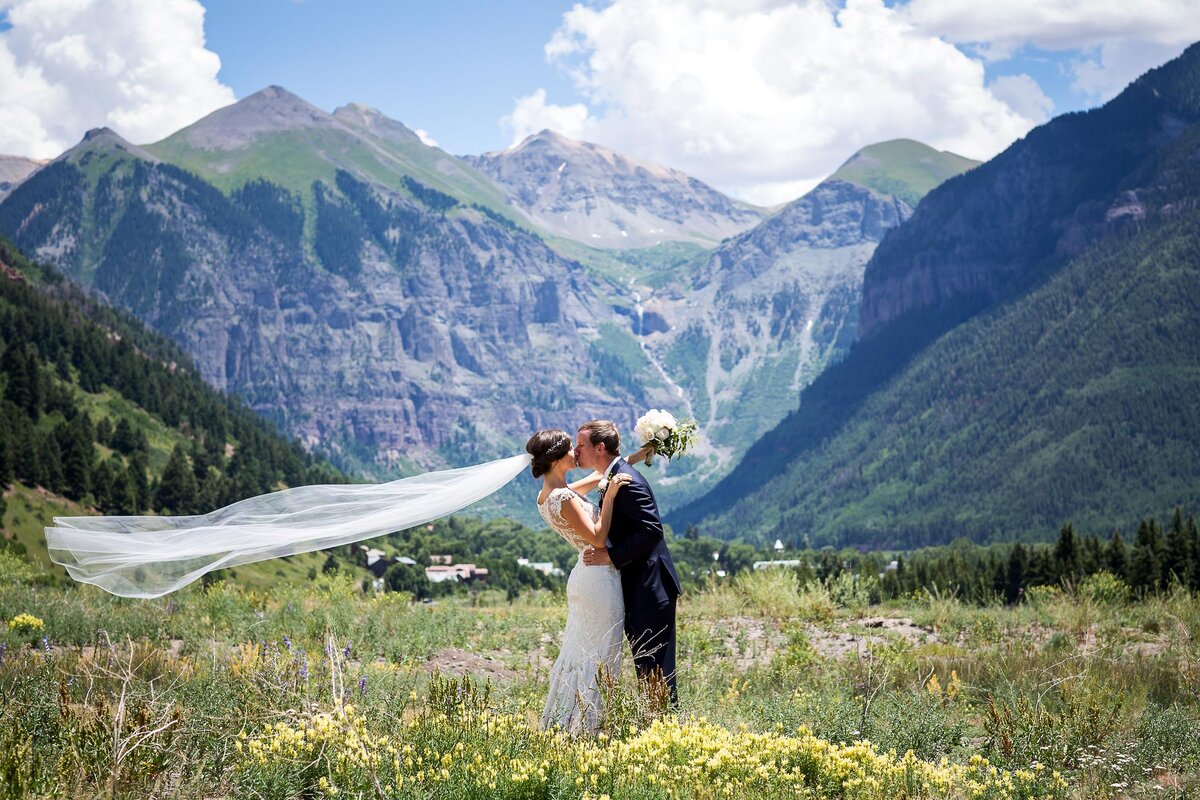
<point>313,689</point>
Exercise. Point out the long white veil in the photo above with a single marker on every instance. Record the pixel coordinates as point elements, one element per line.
<point>151,556</point>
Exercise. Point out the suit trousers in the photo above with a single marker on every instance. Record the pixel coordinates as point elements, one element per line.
<point>651,634</point>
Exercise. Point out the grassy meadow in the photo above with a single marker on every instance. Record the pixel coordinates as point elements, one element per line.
<point>313,689</point>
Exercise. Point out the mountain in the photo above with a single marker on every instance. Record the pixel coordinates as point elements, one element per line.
<point>13,170</point>
<point>402,325</point>
<point>99,414</point>
<point>774,306</point>
<point>1044,199</point>
<point>905,169</point>
<point>397,330</point>
<point>1028,352</point>
<point>599,197</point>
<point>276,135</point>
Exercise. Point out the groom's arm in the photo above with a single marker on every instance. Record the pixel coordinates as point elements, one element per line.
<point>638,514</point>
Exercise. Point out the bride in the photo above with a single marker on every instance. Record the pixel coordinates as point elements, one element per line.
<point>595,633</point>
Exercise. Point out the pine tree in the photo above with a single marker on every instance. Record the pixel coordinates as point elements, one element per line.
<point>1116,557</point>
<point>1015,573</point>
<point>24,386</point>
<point>122,495</point>
<point>1145,563</point>
<point>137,470</point>
<point>122,437</point>
<point>1178,561</point>
<point>177,490</point>
<point>49,463</point>
<point>1068,561</point>
<point>76,444</point>
<point>1194,535</point>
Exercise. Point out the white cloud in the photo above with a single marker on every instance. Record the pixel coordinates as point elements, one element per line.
<point>758,98</point>
<point>137,66</point>
<point>532,114</point>
<point>1120,39</point>
<point>425,137</point>
<point>1023,95</point>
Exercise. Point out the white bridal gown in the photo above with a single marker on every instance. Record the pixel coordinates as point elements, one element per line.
<point>595,630</point>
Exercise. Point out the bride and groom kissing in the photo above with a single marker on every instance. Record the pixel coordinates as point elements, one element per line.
<point>624,584</point>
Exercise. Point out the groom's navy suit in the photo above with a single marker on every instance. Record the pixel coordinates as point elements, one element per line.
<point>649,582</point>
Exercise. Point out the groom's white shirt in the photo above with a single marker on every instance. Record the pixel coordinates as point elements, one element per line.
<point>608,470</point>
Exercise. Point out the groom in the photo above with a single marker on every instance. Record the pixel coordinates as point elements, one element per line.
<point>649,582</point>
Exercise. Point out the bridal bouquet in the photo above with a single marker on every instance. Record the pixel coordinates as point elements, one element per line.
<point>666,435</point>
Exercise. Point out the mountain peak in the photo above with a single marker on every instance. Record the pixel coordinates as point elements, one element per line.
<point>905,168</point>
<point>374,121</point>
<point>270,110</point>
<point>104,140</point>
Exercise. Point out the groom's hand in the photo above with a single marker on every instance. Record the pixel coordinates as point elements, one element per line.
<point>596,557</point>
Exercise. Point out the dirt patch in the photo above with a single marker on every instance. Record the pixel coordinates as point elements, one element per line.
<point>749,640</point>
<point>458,662</point>
<point>898,627</point>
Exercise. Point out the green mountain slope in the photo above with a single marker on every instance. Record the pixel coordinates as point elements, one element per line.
<point>97,414</point>
<point>904,168</point>
<point>1029,350</point>
<point>277,136</point>
<point>1077,402</point>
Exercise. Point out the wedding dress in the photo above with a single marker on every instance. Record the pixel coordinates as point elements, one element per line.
<point>595,630</point>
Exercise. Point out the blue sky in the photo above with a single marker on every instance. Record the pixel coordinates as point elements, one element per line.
<point>451,68</point>
<point>760,98</point>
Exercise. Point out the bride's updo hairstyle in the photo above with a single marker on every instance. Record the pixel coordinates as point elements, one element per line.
<point>546,447</point>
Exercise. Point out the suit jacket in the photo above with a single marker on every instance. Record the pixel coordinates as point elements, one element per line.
<point>638,549</point>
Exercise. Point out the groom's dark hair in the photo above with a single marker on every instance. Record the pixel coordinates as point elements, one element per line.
<point>603,431</point>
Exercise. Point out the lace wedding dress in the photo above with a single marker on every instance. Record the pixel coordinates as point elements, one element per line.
<point>594,634</point>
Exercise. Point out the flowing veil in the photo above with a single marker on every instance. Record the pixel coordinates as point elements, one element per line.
<point>150,556</point>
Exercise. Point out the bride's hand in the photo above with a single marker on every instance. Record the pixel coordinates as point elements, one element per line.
<point>618,480</point>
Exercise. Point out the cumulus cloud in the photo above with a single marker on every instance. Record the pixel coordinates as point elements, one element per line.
<point>762,98</point>
<point>425,138</point>
<point>1118,40</point>
<point>1023,95</point>
<point>532,114</point>
<point>137,66</point>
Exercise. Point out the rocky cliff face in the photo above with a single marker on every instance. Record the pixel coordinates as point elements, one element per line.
<point>437,336</point>
<point>767,311</point>
<point>979,236</point>
<point>602,198</point>
<point>377,298</point>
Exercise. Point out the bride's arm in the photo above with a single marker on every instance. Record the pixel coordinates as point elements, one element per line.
<point>586,484</point>
<point>594,533</point>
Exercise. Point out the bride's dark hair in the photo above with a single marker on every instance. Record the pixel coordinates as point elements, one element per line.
<point>546,447</point>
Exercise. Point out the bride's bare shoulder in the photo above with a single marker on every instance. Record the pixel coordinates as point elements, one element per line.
<point>544,496</point>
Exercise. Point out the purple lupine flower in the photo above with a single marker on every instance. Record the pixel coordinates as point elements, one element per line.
<point>303,667</point>
<point>46,644</point>
<point>3,649</point>
<point>362,686</point>
<point>287,643</point>
<point>346,652</point>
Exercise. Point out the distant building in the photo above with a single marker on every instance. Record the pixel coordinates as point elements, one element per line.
<point>454,572</point>
<point>779,545</point>
<point>544,567</point>
<point>375,560</point>
<point>792,563</point>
